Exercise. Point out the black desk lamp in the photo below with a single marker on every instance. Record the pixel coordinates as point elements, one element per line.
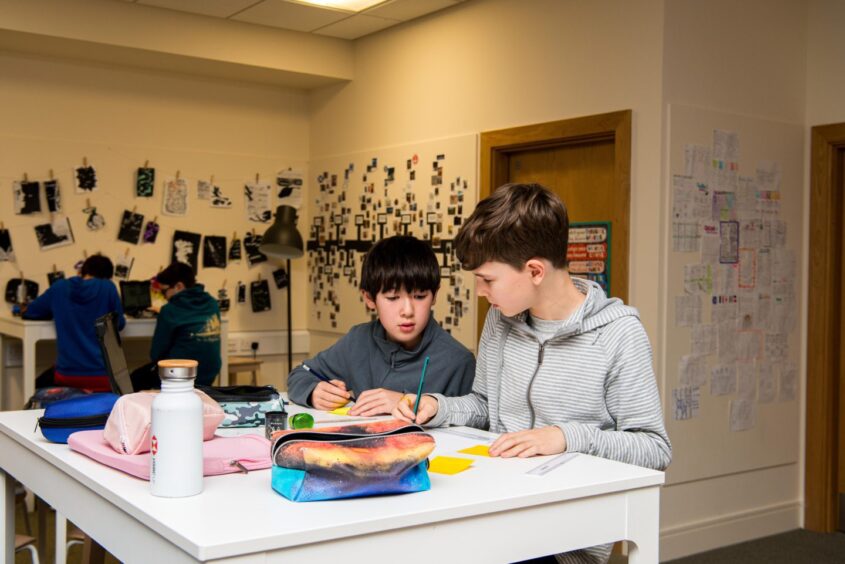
<point>283,241</point>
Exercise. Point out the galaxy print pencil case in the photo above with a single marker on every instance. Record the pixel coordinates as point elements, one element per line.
<point>378,458</point>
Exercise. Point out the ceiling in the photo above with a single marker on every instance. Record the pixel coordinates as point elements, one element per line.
<point>298,16</point>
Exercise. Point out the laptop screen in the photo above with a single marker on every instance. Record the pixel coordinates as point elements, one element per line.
<point>113,356</point>
<point>135,295</point>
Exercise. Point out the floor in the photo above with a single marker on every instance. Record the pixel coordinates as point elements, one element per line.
<point>794,547</point>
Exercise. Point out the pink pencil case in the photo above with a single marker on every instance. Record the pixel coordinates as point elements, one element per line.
<point>220,455</point>
<point>128,427</point>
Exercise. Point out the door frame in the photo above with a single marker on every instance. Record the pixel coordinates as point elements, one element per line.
<point>496,147</point>
<point>823,334</point>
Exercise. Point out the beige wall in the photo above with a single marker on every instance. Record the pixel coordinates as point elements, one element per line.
<point>55,112</point>
<point>743,59</point>
<point>825,62</point>
<point>500,63</point>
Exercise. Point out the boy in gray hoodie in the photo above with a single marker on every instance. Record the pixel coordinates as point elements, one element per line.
<point>561,367</point>
<point>376,363</point>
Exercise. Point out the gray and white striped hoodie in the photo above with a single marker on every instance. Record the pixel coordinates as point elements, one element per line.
<point>593,379</point>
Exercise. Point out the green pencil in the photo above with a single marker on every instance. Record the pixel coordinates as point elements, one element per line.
<point>419,389</point>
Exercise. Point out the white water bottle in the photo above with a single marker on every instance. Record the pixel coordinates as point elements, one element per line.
<point>176,441</point>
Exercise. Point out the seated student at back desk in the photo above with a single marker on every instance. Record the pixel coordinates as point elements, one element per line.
<point>375,363</point>
<point>561,367</point>
<point>74,304</point>
<point>188,326</point>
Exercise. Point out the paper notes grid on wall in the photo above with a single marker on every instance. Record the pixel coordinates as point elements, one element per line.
<point>424,191</point>
<point>745,281</point>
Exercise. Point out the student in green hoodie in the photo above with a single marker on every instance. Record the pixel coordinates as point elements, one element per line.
<point>188,326</point>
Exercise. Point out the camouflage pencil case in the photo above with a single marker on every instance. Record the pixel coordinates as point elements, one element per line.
<point>245,406</point>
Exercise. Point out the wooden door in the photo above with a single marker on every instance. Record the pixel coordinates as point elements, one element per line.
<point>824,486</point>
<point>839,187</point>
<point>586,161</point>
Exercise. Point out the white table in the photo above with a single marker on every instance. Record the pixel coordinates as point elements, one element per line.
<point>30,332</point>
<point>492,512</point>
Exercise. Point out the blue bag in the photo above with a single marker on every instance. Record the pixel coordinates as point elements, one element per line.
<point>84,413</point>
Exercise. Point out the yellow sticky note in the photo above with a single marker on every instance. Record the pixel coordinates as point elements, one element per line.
<point>477,450</point>
<point>340,411</point>
<point>449,464</point>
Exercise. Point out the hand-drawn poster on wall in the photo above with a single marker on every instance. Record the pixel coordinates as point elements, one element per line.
<point>588,254</point>
<point>425,190</point>
<point>733,288</point>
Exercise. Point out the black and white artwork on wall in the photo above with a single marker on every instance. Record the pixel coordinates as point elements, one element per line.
<point>57,233</point>
<point>55,276</point>
<point>95,220</point>
<point>280,276</point>
<point>54,196</point>
<point>86,179</point>
<point>235,250</point>
<point>251,244</point>
<point>130,227</point>
<point>27,197</point>
<point>7,252</point>
<point>186,248</point>
<point>259,293</point>
<point>214,252</point>
<point>175,202</point>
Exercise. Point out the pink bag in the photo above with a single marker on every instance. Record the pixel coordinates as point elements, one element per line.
<point>128,427</point>
<point>220,455</point>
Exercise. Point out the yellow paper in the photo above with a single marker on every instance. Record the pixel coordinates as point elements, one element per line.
<point>340,411</point>
<point>449,464</point>
<point>477,450</point>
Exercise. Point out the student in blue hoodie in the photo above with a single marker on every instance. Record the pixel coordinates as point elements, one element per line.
<point>188,326</point>
<point>74,304</point>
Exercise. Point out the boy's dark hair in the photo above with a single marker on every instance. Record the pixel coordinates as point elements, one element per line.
<point>97,266</point>
<point>400,262</point>
<point>175,273</point>
<point>516,223</point>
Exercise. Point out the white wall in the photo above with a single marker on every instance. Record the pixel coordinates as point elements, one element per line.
<point>748,59</point>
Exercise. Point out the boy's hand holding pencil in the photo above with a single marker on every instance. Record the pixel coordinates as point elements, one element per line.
<point>329,394</point>
<point>426,409</point>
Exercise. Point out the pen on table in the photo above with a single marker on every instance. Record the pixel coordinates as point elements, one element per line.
<point>419,389</point>
<point>324,378</point>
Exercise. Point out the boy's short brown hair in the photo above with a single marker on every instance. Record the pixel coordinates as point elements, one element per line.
<point>517,222</point>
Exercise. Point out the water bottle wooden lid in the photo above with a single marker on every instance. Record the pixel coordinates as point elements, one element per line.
<point>177,369</point>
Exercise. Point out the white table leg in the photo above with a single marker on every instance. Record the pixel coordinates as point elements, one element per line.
<point>28,369</point>
<point>61,538</point>
<point>7,517</point>
<point>2,370</point>
<point>644,526</point>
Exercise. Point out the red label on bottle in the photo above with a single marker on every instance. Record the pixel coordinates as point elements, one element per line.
<point>154,445</point>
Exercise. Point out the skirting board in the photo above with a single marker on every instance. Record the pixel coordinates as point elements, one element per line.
<point>725,530</point>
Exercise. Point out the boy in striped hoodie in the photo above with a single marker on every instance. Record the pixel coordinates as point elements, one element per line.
<point>560,367</point>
